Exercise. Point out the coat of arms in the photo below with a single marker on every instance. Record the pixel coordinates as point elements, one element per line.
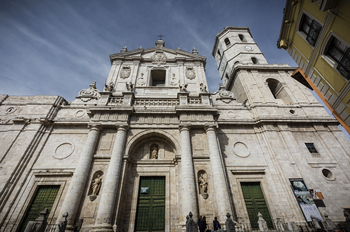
<point>125,72</point>
<point>159,58</point>
<point>190,73</point>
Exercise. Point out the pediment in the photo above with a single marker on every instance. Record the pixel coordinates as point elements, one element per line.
<point>150,53</point>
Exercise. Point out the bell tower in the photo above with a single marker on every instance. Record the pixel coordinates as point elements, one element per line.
<point>235,46</point>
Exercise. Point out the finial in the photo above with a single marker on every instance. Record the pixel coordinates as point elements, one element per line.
<point>194,51</point>
<point>160,36</point>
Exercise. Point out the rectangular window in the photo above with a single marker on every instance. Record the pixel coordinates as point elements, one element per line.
<point>311,28</point>
<point>158,78</point>
<point>311,147</point>
<point>340,54</point>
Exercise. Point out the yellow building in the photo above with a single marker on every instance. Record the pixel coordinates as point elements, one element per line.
<point>316,34</point>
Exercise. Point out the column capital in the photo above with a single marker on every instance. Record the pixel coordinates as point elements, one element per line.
<point>95,126</point>
<point>210,127</point>
<point>122,126</point>
<point>184,126</point>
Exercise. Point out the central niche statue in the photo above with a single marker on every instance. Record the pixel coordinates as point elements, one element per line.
<point>203,183</point>
<point>154,151</point>
<point>95,185</point>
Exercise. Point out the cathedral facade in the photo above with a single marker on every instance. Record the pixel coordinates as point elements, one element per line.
<point>155,144</point>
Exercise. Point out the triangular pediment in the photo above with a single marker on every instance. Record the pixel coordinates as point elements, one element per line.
<point>146,54</point>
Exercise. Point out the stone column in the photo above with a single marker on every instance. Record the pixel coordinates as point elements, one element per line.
<point>218,173</point>
<point>106,208</point>
<point>188,188</point>
<point>76,188</point>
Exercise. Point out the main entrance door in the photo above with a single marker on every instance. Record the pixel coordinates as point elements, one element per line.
<point>44,198</point>
<point>255,202</point>
<point>150,215</point>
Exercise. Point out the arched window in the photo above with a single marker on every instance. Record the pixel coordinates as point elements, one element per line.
<point>241,37</point>
<point>278,90</point>
<point>255,60</point>
<point>237,62</point>
<point>227,41</point>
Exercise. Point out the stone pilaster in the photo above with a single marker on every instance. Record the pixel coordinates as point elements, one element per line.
<point>76,188</point>
<point>218,173</point>
<point>106,209</point>
<point>188,188</point>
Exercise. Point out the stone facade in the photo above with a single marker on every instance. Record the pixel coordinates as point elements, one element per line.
<point>155,118</point>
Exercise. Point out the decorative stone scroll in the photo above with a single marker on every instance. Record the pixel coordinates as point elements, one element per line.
<point>90,93</point>
<point>203,183</point>
<point>125,72</point>
<point>159,58</point>
<point>224,95</point>
<point>95,185</point>
<point>190,73</point>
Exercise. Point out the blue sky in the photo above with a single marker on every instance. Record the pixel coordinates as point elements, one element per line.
<point>60,47</point>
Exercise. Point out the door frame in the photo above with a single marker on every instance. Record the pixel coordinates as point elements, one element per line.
<point>239,202</point>
<point>42,179</point>
<point>152,171</point>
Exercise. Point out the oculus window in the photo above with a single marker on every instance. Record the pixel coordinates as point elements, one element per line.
<point>227,41</point>
<point>158,78</point>
<point>311,28</point>
<point>340,54</point>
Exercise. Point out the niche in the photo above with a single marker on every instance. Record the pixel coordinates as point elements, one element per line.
<point>278,91</point>
<point>203,184</point>
<point>154,149</point>
<point>95,186</point>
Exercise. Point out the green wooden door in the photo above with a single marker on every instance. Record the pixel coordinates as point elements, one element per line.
<point>44,198</point>
<point>150,215</point>
<point>255,202</point>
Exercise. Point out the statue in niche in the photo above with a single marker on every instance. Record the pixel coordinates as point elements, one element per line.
<point>95,186</point>
<point>154,151</point>
<point>203,184</point>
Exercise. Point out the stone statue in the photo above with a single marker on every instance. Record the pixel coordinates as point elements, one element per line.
<point>191,225</point>
<point>95,186</point>
<point>183,88</point>
<point>109,87</point>
<point>203,88</point>
<point>315,223</point>
<point>130,86</point>
<point>230,225</point>
<point>262,223</point>
<point>154,152</point>
<point>203,183</point>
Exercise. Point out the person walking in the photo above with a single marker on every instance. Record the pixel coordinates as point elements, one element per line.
<point>216,224</point>
<point>202,224</point>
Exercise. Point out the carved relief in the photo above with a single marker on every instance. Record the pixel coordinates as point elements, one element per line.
<point>90,93</point>
<point>154,151</point>
<point>190,73</point>
<point>241,149</point>
<point>63,150</point>
<point>125,72</point>
<point>174,81</point>
<point>141,80</point>
<point>203,88</point>
<point>203,184</point>
<point>159,58</point>
<point>95,185</point>
<point>183,88</point>
<point>10,110</point>
<point>224,95</point>
<point>79,113</point>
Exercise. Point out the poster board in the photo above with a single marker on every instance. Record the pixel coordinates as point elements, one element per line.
<point>305,199</point>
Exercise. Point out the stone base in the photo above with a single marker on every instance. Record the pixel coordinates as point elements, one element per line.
<point>102,228</point>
